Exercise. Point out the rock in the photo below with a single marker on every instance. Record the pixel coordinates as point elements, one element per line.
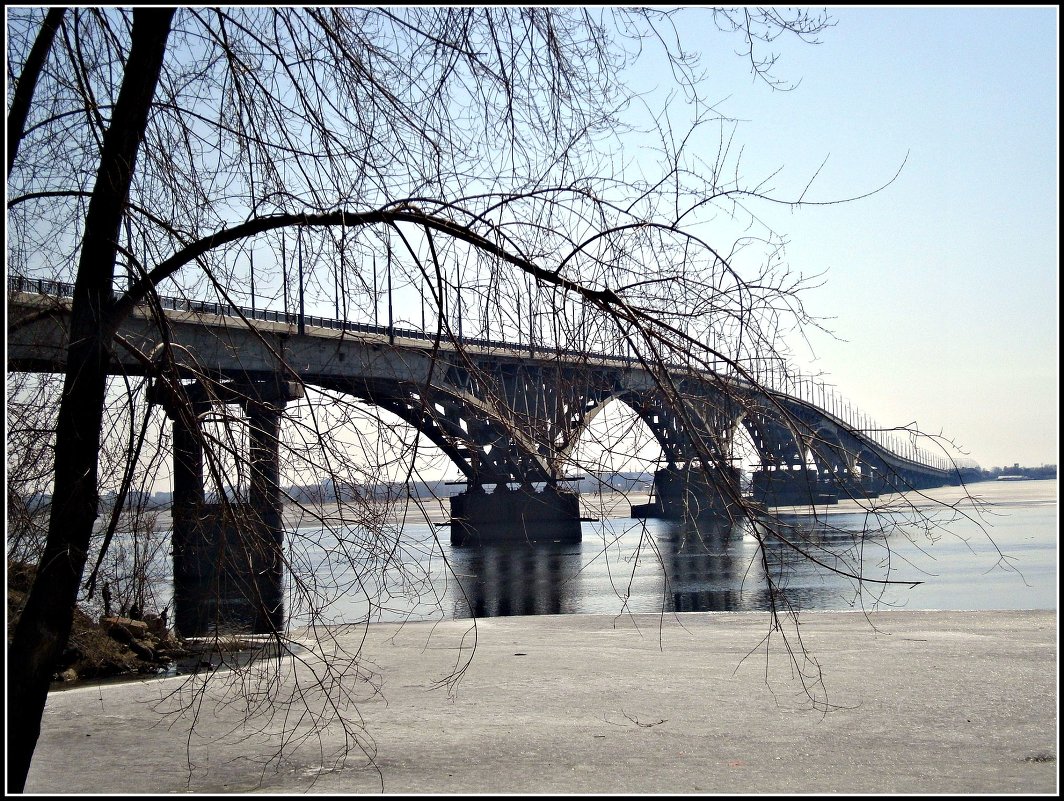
<point>142,650</point>
<point>124,629</point>
<point>98,647</point>
<point>156,624</point>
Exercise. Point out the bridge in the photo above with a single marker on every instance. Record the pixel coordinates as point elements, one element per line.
<point>507,415</point>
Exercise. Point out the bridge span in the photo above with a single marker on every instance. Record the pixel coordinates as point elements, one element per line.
<point>508,416</point>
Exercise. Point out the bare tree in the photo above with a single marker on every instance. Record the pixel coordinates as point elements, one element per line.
<point>477,156</point>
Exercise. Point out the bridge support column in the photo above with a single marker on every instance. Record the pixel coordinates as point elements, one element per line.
<point>263,581</point>
<point>228,560</point>
<point>686,493</point>
<point>793,488</point>
<point>871,484</point>
<point>514,515</point>
<point>187,501</point>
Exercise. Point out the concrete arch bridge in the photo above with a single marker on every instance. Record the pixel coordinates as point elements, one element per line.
<point>508,416</point>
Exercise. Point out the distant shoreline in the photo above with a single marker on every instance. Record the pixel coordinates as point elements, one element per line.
<point>617,505</point>
<point>614,505</point>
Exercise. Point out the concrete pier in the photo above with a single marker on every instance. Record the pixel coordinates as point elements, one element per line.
<point>793,488</point>
<point>228,561</point>
<point>904,702</point>
<point>228,573</point>
<point>515,515</point>
<point>687,494</point>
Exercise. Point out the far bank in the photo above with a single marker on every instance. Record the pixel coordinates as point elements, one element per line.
<point>618,505</point>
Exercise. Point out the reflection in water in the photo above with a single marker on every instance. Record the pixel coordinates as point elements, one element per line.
<point>665,566</point>
<point>838,563</point>
<point>516,579</point>
<point>624,565</point>
<point>706,569</point>
<point>655,566</point>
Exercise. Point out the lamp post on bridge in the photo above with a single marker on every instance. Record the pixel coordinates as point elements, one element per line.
<point>302,305</point>
<point>299,246</point>
<point>458,295</point>
<point>391,325</point>
<point>531,319</point>
<point>251,266</point>
<point>284,276</point>
<point>337,273</point>
<point>376,322</point>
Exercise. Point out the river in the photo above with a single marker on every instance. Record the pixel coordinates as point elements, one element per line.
<point>1003,557</point>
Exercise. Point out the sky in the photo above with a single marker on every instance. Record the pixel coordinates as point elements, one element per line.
<point>941,289</point>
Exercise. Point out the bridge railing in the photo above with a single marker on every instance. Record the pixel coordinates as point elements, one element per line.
<point>897,441</point>
<point>793,385</point>
<point>40,286</point>
<point>60,289</point>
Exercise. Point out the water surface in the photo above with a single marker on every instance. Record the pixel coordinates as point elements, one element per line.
<point>1003,556</point>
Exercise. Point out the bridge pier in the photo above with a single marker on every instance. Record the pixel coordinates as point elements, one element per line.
<point>515,515</point>
<point>802,487</point>
<point>872,484</point>
<point>228,560</point>
<point>685,493</point>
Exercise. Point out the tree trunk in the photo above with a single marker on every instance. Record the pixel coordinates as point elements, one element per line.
<point>44,626</point>
<point>27,82</point>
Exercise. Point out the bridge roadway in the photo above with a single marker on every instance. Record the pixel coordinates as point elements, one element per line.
<point>507,415</point>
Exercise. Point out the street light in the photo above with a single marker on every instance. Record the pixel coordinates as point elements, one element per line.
<point>251,262</point>
<point>376,322</point>
<point>299,245</point>
<point>391,328</point>
<point>458,295</point>
<point>284,275</point>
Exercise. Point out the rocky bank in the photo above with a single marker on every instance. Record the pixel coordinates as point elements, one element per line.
<point>101,648</point>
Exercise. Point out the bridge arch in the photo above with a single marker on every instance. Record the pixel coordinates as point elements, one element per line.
<point>468,430</point>
<point>696,475</point>
<point>710,442</point>
<point>613,437</point>
<point>832,459</point>
<point>775,436</point>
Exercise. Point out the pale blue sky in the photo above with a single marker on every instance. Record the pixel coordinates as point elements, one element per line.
<point>945,284</point>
